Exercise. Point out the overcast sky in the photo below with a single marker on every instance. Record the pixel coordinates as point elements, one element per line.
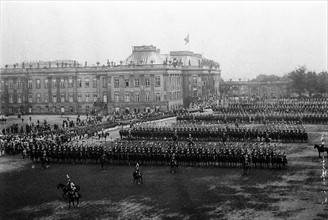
<point>247,38</point>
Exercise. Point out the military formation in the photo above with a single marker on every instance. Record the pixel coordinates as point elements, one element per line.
<point>219,140</point>
<point>314,111</point>
<point>216,133</point>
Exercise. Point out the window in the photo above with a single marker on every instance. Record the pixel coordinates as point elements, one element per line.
<point>54,83</point>
<point>79,83</point>
<point>38,84</point>
<point>70,83</point>
<point>46,83</point>
<point>38,97</point>
<point>157,81</point>
<point>117,97</point>
<point>29,84</point>
<point>95,97</point>
<point>147,82</point>
<point>136,82</point>
<point>19,83</point>
<point>127,97</point>
<point>194,92</point>
<point>11,85</point>
<point>137,97</point>
<point>194,80</point>
<point>62,83</point>
<point>54,109</point>
<point>70,97</point>
<point>94,83</point>
<point>11,99</point>
<point>19,98</point>
<point>127,83</point>
<point>87,83</point>
<point>105,97</point>
<point>147,97</point>
<point>104,82</point>
<point>62,97</point>
<point>46,97</point>
<point>116,82</point>
<point>30,98</point>
<point>158,97</point>
<point>79,97</point>
<point>54,97</point>
<point>87,96</point>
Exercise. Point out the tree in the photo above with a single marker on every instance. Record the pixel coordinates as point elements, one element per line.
<point>311,82</point>
<point>322,82</point>
<point>298,80</point>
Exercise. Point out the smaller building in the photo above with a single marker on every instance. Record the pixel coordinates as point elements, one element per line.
<point>250,88</point>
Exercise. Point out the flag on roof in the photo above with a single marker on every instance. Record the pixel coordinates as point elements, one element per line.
<point>186,39</point>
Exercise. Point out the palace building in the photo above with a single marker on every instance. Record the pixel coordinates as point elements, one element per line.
<point>146,80</point>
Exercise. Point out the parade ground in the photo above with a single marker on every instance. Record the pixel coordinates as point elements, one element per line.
<point>299,192</point>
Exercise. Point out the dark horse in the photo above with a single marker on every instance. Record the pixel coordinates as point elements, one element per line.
<point>71,195</point>
<point>64,188</point>
<point>174,166</point>
<point>321,149</point>
<point>137,177</point>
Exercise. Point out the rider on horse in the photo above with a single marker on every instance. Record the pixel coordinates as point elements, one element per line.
<point>137,169</point>
<point>70,185</point>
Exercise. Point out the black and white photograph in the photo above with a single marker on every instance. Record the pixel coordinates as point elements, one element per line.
<point>191,110</point>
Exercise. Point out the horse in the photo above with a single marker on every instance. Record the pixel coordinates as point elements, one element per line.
<point>321,149</point>
<point>64,188</point>
<point>72,197</point>
<point>174,166</point>
<point>137,177</point>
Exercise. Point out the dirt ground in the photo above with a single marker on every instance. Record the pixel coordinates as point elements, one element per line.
<point>193,193</point>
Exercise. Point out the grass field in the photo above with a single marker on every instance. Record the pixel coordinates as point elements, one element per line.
<point>192,193</point>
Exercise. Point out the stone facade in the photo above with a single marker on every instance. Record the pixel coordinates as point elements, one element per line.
<point>137,84</point>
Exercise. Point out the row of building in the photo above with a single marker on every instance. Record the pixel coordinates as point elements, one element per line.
<point>145,81</point>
